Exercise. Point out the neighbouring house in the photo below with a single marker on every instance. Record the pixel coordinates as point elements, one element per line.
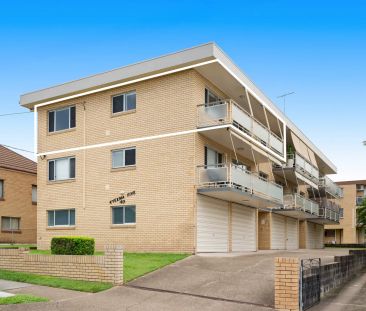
<point>18,198</point>
<point>178,153</point>
<point>348,231</point>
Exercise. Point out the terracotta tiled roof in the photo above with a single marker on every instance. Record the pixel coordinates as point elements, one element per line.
<point>14,161</point>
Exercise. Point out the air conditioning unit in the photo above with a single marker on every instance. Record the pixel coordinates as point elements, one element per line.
<point>360,187</point>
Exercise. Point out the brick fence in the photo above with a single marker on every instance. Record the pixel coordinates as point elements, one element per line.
<point>332,275</point>
<point>107,268</point>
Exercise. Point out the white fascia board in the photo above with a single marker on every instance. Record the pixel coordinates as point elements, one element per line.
<point>164,63</point>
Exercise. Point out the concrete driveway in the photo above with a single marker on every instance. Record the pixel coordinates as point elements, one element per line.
<point>247,277</point>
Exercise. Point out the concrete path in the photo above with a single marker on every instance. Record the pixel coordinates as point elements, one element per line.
<point>5,285</point>
<point>352,297</point>
<point>245,277</point>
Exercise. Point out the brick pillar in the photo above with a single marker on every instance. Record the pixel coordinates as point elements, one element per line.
<point>113,263</point>
<point>287,275</point>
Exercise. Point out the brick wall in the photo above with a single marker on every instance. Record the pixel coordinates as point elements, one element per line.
<point>107,268</point>
<point>287,275</point>
<point>17,202</point>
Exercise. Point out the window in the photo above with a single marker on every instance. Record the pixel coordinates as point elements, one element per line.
<point>341,212</point>
<point>34,194</point>
<point>210,97</point>
<point>61,169</point>
<point>1,189</point>
<point>124,102</point>
<point>330,233</point>
<point>124,157</point>
<point>124,215</point>
<point>10,223</point>
<point>212,157</point>
<point>63,217</point>
<point>61,119</point>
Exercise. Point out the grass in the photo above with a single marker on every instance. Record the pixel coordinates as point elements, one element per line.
<point>82,286</point>
<point>138,264</point>
<point>17,299</point>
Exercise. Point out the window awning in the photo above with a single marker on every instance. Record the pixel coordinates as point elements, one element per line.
<point>303,149</point>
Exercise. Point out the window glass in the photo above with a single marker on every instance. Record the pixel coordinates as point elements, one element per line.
<point>51,218</point>
<point>118,158</point>
<point>62,119</point>
<point>72,117</point>
<point>62,169</point>
<point>51,170</point>
<point>130,157</point>
<point>10,223</point>
<point>72,217</point>
<point>117,215</point>
<point>1,189</point>
<point>131,101</point>
<point>118,103</point>
<point>212,157</point>
<point>34,194</point>
<point>72,168</point>
<point>51,121</point>
<point>61,218</point>
<point>130,214</point>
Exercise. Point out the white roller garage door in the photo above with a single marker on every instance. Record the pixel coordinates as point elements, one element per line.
<point>244,230</point>
<point>292,236</point>
<point>278,232</point>
<point>212,225</point>
<point>315,235</point>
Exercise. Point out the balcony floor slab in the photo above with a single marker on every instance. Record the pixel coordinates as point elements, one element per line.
<point>232,194</point>
<point>293,212</point>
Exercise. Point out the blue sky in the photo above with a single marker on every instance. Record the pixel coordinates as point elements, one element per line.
<point>314,48</point>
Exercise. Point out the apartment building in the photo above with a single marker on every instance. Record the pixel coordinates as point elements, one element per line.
<point>348,231</point>
<point>178,153</point>
<point>18,198</point>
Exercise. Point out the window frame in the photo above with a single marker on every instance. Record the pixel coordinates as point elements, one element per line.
<point>55,119</point>
<point>54,169</point>
<point>209,92</point>
<point>2,188</point>
<point>11,218</point>
<point>125,110</point>
<point>124,157</point>
<point>54,217</point>
<point>219,156</point>
<point>124,215</point>
<point>341,213</point>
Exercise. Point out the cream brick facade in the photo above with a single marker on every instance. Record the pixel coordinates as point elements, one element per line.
<point>348,231</point>
<point>170,146</point>
<point>17,202</point>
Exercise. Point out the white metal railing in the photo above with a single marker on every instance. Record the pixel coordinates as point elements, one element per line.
<point>237,176</point>
<point>331,187</point>
<point>303,166</point>
<point>296,201</point>
<point>328,209</point>
<point>227,111</point>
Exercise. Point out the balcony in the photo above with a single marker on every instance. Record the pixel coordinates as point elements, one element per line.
<point>331,187</point>
<point>298,170</point>
<point>328,212</point>
<point>297,206</point>
<point>359,200</point>
<point>229,112</point>
<point>235,184</point>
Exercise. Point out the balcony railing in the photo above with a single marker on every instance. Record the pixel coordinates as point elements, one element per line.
<point>359,200</point>
<point>229,112</point>
<point>238,177</point>
<point>302,166</point>
<point>331,187</point>
<point>328,210</point>
<point>296,201</point>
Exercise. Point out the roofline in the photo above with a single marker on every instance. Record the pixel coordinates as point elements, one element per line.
<point>18,170</point>
<point>161,64</point>
<point>351,182</point>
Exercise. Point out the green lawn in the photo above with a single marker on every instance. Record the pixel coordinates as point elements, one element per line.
<point>21,299</point>
<point>138,264</point>
<point>134,266</point>
<point>82,286</point>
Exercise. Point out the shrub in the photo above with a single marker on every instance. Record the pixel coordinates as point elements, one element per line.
<point>72,246</point>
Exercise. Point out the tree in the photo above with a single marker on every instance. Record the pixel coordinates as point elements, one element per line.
<point>361,214</point>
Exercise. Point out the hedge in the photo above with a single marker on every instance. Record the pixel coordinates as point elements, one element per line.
<point>72,246</point>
